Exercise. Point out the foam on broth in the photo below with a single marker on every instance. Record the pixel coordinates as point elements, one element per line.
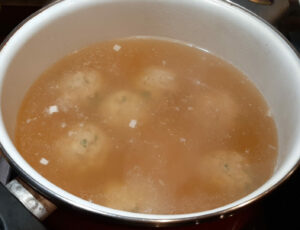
<point>148,125</point>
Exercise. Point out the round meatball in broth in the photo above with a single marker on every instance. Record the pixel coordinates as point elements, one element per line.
<point>226,171</point>
<point>83,143</point>
<point>76,88</point>
<point>124,109</point>
<point>157,80</point>
<point>215,111</point>
<point>135,194</point>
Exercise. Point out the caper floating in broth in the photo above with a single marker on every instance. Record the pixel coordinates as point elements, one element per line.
<point>148,125</point>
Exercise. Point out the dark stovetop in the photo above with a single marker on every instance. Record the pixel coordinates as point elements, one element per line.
<point>278,210</point>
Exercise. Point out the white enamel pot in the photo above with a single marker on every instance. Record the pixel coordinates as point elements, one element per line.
<point>224,29</point>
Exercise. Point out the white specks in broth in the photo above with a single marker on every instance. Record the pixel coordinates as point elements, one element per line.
<point>52,109</point>
<point>44,161</point>
<point>82,116</point>
<point>76,108</point>
<point>182,140</point>
<point>272,147</point>
<point>87,63</point>
<point>163,123</point>
<point>190,108</point>
<point>132,124</point>
<point>63,125</point>
<point>171,133</point>
<point>131,141</point>
<point>56,86</point>
<point>117,47</point>
<point>71,133</point>
<point>29,120</point>
<point>199,83</point>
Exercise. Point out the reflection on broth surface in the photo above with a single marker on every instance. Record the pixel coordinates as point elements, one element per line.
<point>148,125</point>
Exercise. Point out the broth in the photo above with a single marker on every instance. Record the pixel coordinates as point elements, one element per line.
<point>148,125</point>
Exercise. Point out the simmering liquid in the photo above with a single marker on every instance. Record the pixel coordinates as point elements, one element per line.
<point>148,125</point>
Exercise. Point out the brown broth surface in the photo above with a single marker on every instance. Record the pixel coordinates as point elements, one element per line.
<point>148,125</point>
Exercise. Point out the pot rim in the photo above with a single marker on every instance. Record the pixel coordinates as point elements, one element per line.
<point>152,219</point>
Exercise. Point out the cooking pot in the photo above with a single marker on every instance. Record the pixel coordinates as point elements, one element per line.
<point>224,29</point>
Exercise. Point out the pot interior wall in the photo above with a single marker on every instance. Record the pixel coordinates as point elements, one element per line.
<point>223,30</point>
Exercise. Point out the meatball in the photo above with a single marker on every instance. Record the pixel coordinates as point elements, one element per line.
<point>215,111</point>
<point>123,108</point>
<point>157,80</point>
<point>121,197</point>
<point>78,87</point>
<point>226,171</point>
<point>133,197</point>
<point>83,144</point>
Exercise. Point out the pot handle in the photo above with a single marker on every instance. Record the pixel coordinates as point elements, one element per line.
<point>20,206</point>
<point>13,215</point>
<point>262,2</point>
<point>270,10</point>
<point>33,201</point>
